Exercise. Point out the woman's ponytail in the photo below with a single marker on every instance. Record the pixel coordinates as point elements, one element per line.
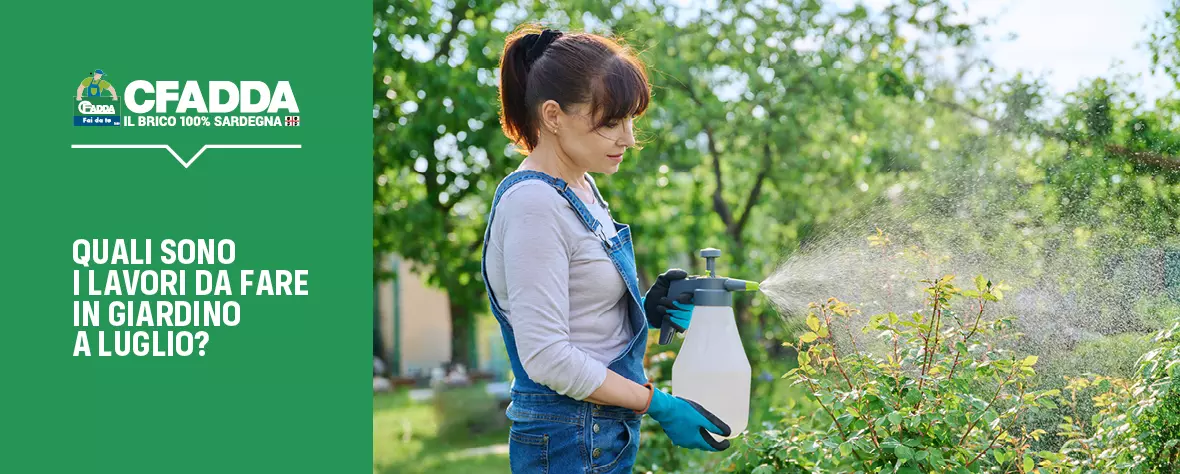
<point>520,52</point>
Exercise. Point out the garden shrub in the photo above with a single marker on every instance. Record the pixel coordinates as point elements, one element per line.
<point>467,411</point>
<point>1137,425</point>
<point>1112,356</point>
<point>950,399</point>
<point>944,389</point>
<point>946,397</point>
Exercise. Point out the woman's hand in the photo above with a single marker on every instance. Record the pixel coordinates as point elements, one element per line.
<point>686,423</point>
<point>657,303</point>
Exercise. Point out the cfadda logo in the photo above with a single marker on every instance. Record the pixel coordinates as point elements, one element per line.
<point>86,108</point>
<point>96,103</point>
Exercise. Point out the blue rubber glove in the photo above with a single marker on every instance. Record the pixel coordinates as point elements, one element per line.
<point>657,303</point>
<point>686,423</point>
<point>682,314</point>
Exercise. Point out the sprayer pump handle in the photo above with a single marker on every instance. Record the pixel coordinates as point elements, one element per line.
<point>666,331</point>
<point>710,255</point>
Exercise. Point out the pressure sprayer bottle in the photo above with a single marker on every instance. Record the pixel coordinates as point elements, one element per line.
<point>711,368</point>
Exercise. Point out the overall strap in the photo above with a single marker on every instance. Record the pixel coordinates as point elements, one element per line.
<point>562,188</point>
<point>597,195</point>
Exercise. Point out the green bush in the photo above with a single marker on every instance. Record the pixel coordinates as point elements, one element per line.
<point>1112,356</point>
<point>466,411</point>
<point>945,398</point>
<point>1137,426</point>
<point>942,390</point>
<point>948,398</point>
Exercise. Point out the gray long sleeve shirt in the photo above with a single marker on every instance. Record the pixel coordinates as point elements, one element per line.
<point>558,288</point>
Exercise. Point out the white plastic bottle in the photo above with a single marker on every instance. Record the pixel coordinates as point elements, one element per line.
<point>712,369</point>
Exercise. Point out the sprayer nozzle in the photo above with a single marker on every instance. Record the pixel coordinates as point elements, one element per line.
<point>733,284</point>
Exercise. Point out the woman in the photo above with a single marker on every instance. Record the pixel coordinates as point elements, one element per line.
<point>561,272</point>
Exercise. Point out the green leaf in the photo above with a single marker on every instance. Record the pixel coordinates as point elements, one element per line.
<point>980,283</point>
<point>903,452</point>
<point>808,337</point>
<point>894,418</point>
<point>989,416</point>
<point>1029,361</point>
<point>763,469</point>
<point>1028,464</point>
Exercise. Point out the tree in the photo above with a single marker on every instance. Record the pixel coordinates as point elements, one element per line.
<point>437,147</point>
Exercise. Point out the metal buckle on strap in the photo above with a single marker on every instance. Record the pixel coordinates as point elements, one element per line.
<point>602,236</point>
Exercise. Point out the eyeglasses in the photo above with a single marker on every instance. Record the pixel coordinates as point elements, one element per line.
<point>612,131</point>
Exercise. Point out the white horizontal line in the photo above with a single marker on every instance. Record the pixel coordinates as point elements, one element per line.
<point>178,158</point>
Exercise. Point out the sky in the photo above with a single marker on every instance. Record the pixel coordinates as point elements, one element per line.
<point>1067,41</point>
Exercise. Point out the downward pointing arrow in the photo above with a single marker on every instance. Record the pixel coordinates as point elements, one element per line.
<point>190,161</point>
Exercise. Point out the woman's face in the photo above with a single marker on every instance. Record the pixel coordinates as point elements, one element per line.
<point>597,150</point>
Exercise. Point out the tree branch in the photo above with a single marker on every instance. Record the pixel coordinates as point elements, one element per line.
<point>963,109</point>
<point>763,172</point>
<point>839,427</point>
<point>692,95</point>
<point>1145,157</point>
<point>719,204</point>
<point>1141,157</point>
<point>992,444</point>
<point>989,405</point>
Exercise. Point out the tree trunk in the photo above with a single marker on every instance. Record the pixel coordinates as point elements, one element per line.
<point>463,337</point>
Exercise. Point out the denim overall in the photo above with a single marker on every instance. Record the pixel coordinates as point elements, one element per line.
<point>553,433</point>
<point>92,90</point>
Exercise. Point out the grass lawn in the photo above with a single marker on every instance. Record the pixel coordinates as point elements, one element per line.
<point>406,441</point>
<point>406,437</point>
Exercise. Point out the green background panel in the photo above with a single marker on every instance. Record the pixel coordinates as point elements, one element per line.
<point>287,390</point>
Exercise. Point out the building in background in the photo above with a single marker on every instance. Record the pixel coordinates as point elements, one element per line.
<point>412,327</point>
<point>412,322</point>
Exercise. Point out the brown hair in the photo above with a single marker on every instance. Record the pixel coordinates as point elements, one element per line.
<point>571,68</point>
